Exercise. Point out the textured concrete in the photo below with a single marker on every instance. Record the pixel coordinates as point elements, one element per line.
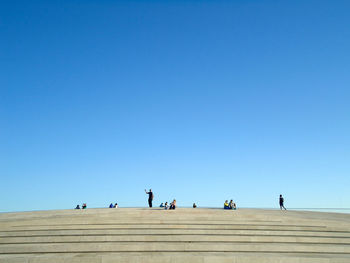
<point>184,235</point>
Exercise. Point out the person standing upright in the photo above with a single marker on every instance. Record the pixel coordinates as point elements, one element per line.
<point>150,197</point>
<point>282,203</point>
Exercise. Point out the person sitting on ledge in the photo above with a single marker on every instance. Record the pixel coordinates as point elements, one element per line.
<point>111,205</point>
<point>84,206</point>
<point>115,205</point>
<point>232,205</point>
<point>226,205</point>
<point>77,207</point>
<point>166,206</point>
<point>173,205</point>
<point>194,205</point>
<point>161,205</point>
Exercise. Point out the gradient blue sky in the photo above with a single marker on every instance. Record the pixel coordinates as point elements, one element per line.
<point>201,101</point>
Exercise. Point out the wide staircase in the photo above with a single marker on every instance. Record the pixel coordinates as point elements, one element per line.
<point>181,235</point>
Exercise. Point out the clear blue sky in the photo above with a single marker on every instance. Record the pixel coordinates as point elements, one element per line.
<point>201,101</point>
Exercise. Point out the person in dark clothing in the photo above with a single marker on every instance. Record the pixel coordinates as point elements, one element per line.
<point>282,203</point>
<point>173,205</point>
<point>150,197</point>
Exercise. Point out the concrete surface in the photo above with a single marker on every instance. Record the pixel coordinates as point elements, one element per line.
<point>184,235</point>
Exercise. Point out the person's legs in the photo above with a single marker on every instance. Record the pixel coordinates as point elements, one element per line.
<point>149,202</point>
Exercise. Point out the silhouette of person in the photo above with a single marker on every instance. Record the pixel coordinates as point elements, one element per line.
<point>282,203</point>
<point>150,197</point>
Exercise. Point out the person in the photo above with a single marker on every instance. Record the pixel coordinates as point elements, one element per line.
<point>166,206</point>
<point>232,205</point>
<point>77,207</point>
<point>282,203</point>
<point>161,205</point>
<point>226,205</point>
<point>84,206</point>
<point>111,205</point>
<point>150,197</point>
<point>194,205</point>
<point>173,205</point>
<point>115,205</point>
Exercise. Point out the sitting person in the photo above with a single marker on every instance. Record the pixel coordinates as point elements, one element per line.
<point>84,206</point>
<point>166,206</point>
<point>232,205</point>
<point>226,205</point>
<point>115,205</point>
<point>111,205</point>
<point>194,205</point>
<point>173,205</point>
<point>77,207</point>
<point>161,205</point>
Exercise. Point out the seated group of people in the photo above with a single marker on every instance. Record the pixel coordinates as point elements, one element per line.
<point>84,206</point>
<point>230,205</point>
<point>113,206</point>
<point>173,205</point>
<point>166,205</point>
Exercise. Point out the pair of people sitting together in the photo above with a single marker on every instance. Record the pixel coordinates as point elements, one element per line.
<point>230,205</point>
<point>166,206</point>
<point>83,206</point>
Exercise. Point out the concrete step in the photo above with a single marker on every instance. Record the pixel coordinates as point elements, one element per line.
<point>173,246</point>
<point>170,226</point>
<point>174,238</point>
<point>177,257</point>
<point>166,231</point>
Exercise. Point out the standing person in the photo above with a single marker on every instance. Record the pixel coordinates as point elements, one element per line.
<point>150,197</point>
<point>282,203</point>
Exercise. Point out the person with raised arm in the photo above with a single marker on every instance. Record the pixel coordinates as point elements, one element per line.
<point>150,197</point>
